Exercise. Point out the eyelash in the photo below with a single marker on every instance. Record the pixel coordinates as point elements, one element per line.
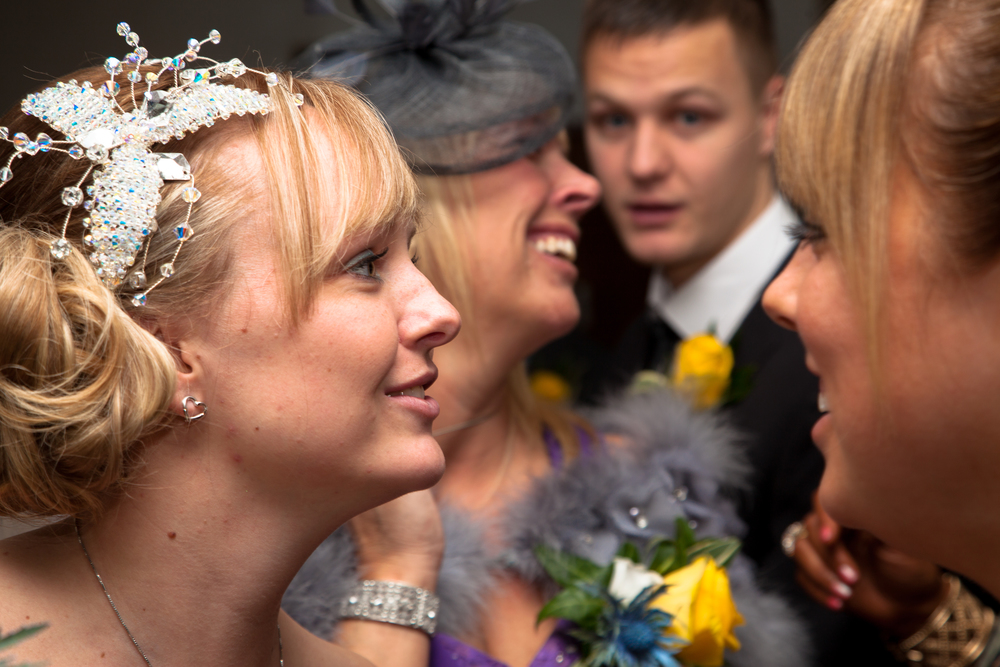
<point>363,264</point>
<point>805,232</point>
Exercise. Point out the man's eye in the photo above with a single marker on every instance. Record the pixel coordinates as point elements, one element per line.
<point>689,118</point>
<point>615,121</point>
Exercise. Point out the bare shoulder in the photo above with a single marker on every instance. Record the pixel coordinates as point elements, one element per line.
<point>305,648</point>
<point>36,573</point>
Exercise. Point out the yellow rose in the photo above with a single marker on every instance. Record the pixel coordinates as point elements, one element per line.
<point>701,369</point>
<point>699,599</point>
<point>550,386</point>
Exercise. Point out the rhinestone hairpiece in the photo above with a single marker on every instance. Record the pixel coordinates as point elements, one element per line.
<point>122,198</point>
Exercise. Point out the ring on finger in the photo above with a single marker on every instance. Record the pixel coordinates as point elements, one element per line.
<point>791,536</point>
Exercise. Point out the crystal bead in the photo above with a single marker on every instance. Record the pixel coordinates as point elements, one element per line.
<point>156,103</point>
<point>168,63</point>
<point>151,77</point>
<point>132,58</point>
<point>139,300</point>
<point>142,52</point>
<point>72,196</point>
<point>124,28</point>
<point>75,152</point>
<point>97,154</point>
<point>271,79</point>
<point>20,141</point>
<point>44,142</point>
<point>190,194</point>
<point>194,45</point>
<point>183,231</point>
<point>215,36</point>
<point>237,68</point>
<point>86,222</point>
<point>190,55</point>
<point>113,66</point>
<point>61,249</point>
<point>89,239</point>
<point>167,270</point>
<point>173,166</point>
<point>110,88</point>
<point>132,39</point>
<point>299,99</point>
<point>4,132</point>
<point>135,77</point>
<point>187,76</point>
<point>137,280</point>
<point>5,174</point>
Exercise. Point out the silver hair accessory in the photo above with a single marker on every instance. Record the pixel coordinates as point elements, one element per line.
<point>121,201</point>
<point>188,416</point>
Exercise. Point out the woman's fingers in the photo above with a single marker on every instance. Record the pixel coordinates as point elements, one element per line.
<point>818,566</point>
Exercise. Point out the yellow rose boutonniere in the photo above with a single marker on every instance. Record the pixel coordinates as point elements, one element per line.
<point>701,370</point>
<point>699,599</point>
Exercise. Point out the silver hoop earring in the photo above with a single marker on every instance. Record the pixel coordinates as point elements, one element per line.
<point>188,417</point>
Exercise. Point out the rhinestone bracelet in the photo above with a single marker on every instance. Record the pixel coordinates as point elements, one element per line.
<point>392,602</point>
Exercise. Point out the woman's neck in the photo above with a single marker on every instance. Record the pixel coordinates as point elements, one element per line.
<point>196,565</point>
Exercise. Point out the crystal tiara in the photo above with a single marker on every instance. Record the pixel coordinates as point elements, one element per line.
<point>121,200</point>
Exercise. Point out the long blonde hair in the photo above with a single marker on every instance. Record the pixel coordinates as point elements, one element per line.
<point>82,383</point>
<point>887,83</point>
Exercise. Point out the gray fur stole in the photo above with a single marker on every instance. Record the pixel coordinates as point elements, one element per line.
<point>677,464</point>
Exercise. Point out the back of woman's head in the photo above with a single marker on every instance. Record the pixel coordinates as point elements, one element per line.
<point>896,84</point>
<point>84,377</point>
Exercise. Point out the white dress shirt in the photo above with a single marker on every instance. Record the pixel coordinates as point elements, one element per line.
<point>724,291</point>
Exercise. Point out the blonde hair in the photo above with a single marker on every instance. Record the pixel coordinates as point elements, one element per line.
<point>885,83</point>
<point>81,382</point>
<point>443,250</point>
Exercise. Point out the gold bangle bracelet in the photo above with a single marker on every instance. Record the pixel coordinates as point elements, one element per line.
<point>954,635</point>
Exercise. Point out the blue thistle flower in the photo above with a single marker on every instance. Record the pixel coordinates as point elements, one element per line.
<point>631,635</point>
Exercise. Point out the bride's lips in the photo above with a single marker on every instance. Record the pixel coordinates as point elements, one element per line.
<point>654,213</point>
<point>411,395</point>
<point>821,429</point>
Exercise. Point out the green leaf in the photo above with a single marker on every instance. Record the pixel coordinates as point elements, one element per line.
<point>663,556</point>
<point>685,536</point>
<point>722,550</point>
<point>566,569</point>
<point>16,637</point>
<point>630,551</point>
<point>573,605</point>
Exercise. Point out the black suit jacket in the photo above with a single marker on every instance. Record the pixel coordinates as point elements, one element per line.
<point>775,417</point>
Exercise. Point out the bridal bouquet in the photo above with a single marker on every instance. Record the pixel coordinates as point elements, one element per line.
<point>666,606</point>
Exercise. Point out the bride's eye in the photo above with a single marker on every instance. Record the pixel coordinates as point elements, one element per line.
<point>363,264</point>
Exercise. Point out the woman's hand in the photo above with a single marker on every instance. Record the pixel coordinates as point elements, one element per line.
<point>855,571</point>
<point>402,541</point>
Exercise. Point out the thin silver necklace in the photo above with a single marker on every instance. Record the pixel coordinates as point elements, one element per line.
<point>79,537</point>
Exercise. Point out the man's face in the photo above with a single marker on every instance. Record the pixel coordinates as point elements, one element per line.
<point>679,141</point>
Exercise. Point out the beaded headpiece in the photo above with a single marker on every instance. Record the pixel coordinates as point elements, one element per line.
<point>121,200</point>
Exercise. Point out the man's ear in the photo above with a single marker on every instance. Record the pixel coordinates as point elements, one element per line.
<point>770,109</point>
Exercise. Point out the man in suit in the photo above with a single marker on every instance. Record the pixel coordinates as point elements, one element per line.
<point>682,100</point>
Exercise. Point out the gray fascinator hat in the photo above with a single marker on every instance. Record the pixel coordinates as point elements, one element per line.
<point>462,89</point>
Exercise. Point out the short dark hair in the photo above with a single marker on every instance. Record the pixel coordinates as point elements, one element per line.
<point>750,20</point>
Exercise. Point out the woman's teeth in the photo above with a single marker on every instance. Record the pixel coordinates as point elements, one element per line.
<point>560,246</point>
<point>416,392</point>
<point>821,403</point>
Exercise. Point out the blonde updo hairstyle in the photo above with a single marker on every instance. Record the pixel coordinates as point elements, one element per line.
<point>889,83</point>
<point>82,379</point>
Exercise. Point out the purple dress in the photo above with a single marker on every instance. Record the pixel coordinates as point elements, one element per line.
<point>559,650</point>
